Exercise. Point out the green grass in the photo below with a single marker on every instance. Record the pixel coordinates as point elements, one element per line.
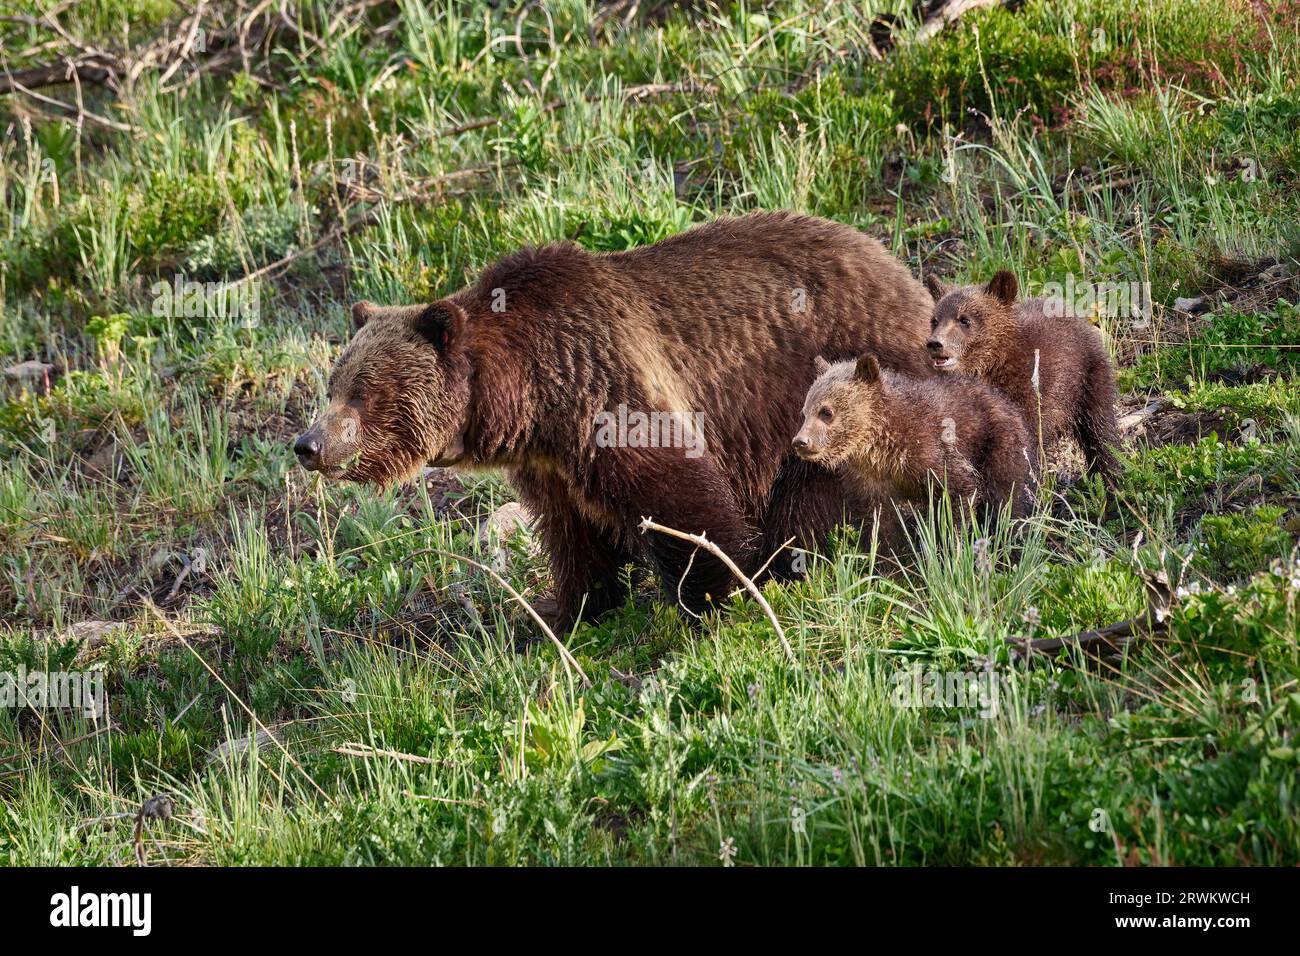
<point>406,710</point>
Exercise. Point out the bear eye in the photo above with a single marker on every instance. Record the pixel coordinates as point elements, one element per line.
<point>825,413</point>
<point>964,321</point>
<point>934,322</point>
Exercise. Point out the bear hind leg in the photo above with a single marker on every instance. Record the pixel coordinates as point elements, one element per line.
<point>693,496</point>
<point>586,559</point>
<point>805,503</point>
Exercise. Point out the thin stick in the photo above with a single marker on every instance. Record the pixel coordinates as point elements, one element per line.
<point>700,540</point>
<point>175,632</point>
<point>568,659</point>
<point>768,563</point>
<point>362,750</point>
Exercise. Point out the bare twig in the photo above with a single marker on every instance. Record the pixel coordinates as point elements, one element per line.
<point>632,93</point>
<point>647,524</point>
<point>361,750</point>
<point>187,45</point>
<point>175,632</point>
<point>569,661</point>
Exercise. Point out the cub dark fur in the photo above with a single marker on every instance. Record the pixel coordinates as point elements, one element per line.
<point>1055,369</point>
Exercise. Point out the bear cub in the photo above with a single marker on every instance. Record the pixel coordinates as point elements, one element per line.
<point>890,436</point>
<point>1055,369</point>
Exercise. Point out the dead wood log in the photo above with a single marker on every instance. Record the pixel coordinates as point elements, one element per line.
<point>92,72</point>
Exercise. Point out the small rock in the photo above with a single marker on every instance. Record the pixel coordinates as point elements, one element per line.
<point>94,633</point>
<point>264,739</point>
<point>33,375</point>
<point>502,525</point>
<point>504,522</point>
<point>1134,419</point>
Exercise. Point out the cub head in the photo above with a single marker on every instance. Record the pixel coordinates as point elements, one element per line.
<point>960,315</point>
<point>398,396</point>
<point>842,412</point>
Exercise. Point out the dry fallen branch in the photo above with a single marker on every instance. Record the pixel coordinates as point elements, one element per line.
<point>703,542</point>
<point>949,11</point>
<point>91,71</point>
<point>365,752</point>
<point>935,17</point>
<point>633,94</point>
<point>1114,638</point>
<point>569,661</point>
<point>197,45</point>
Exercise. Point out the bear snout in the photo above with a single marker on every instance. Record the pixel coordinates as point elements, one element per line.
<point>307,448</point>
<point>802,445</point>
<point>940,358</point>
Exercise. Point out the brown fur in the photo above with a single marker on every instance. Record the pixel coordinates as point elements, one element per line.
<point>893,438</point>
<point>705,322</point>
<point>982,331</point>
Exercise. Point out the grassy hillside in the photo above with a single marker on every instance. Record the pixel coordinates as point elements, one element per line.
<point>293,667</point>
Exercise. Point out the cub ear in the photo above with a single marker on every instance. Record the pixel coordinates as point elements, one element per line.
<point>441,323</point>
<point>820,365</point>
<point>867,369</point>
<point>937,289</point>
<point>1003,287</point>
<point>363,312</point>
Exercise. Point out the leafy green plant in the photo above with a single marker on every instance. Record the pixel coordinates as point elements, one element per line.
<point>555,736</point>
<point>1234,546</point>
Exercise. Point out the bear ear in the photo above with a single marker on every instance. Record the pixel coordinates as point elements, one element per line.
<point>440,323</point>
<point>363,312</point>
<point>867,370</point>
<point>820,365</point>
<point>937,289</point>
<point>1003,287</point>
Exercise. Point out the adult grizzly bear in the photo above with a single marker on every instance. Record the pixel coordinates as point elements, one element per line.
<point>664,381</point>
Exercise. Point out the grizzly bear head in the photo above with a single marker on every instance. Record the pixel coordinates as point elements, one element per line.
<point>398,396</point>
<point>962,316</point>
<point>842,413</point>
